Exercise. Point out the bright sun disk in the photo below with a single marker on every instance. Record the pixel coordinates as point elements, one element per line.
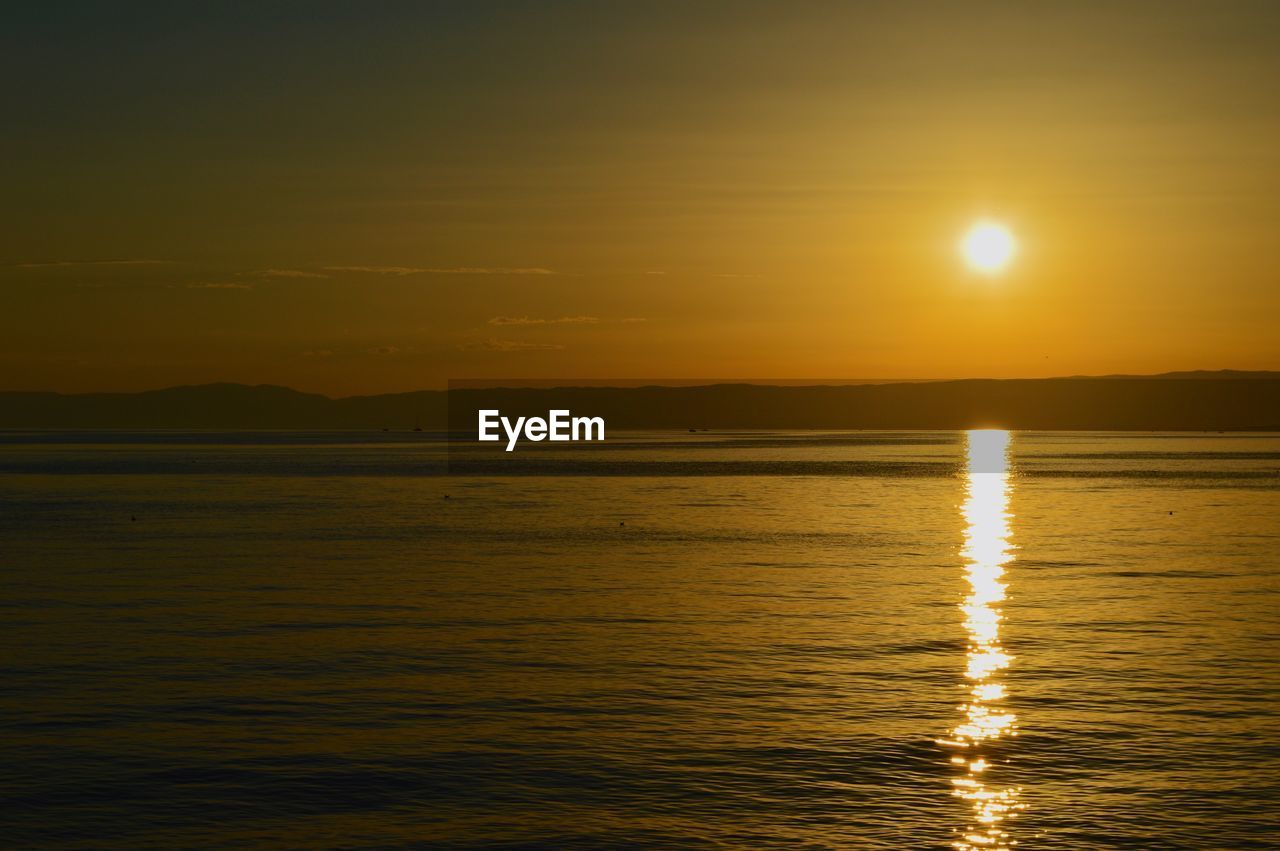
<point>988,247</point>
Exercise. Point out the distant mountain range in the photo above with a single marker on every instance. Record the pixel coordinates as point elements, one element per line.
<point>1227,400</point>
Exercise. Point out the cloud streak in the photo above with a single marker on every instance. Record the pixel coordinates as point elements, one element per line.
<point>401,271</point>
<point>283,273</point>
<point>526,320</point>
<point>493,344</point>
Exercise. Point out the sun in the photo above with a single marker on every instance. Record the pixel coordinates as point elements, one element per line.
<point>988,247</point>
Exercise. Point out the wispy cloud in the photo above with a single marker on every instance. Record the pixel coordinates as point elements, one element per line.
<point>384,350</point>
<point>458,270</point>
<point>62,263</point>
<point>495,345</point>
<point>219,285</point>
<point>526,320</point>
<point>283,273</point>
<point>377,270</point>
<point>318,353</point>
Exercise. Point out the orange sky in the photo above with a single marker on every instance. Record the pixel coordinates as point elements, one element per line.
<point>348,202</point>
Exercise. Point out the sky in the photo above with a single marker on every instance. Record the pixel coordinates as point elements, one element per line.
<point>366,198</point>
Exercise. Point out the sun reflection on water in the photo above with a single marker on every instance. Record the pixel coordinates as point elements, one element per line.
<point>986,552</point>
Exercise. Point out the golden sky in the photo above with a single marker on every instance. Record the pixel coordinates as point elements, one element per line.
<point>357,200</point>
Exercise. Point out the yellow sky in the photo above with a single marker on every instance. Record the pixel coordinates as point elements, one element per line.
<point>354,203</point>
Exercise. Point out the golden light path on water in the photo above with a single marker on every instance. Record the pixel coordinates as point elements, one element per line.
<point>987,550</point>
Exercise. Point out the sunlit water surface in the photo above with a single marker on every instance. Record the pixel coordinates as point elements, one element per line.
<point>855,640</point>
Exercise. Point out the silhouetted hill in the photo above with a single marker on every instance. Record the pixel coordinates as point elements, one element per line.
<point>202,406</point>
<point>1059,403</point>
<point>1215,374</point>
<point>1177,401</point>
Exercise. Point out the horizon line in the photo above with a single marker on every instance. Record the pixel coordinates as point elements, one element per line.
<point>636,383</point>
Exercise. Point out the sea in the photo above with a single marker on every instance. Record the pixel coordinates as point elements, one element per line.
<point>693,640</point>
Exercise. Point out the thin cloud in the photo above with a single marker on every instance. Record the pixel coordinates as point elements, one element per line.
<point>318,353</point>
<point>495,345</point>
<point>497,270</point>
<point>283,273</point>
<point>376,270</point>
<point>458,270</point>
<point>384,351</point>
<point>220,285</point>
<point>526,320</point>
<point>64,263</point>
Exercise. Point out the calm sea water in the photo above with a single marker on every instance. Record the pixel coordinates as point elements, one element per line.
<point>801,641</point>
